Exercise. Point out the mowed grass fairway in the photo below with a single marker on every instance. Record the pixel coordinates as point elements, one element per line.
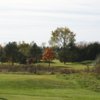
<point>45,87</point>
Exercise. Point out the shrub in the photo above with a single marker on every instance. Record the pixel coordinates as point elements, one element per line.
<point>97,65</point>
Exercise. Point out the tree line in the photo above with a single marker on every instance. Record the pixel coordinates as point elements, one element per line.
<point>62,47</point>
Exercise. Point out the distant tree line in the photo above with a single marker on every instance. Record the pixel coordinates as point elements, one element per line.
<point>20,53</point>
<point>62,47</point>
<point>27,53</point>
<point>79,52</point>
<point>63,40</point>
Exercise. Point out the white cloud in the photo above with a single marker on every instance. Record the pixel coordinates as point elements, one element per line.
<point>35,17</point>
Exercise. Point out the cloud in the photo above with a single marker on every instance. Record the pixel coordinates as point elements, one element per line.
<point>35,17</point>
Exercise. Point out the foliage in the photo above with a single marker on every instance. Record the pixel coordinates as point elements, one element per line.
<point>88,51</point>
<point>35,52</point>
<point>68,55</point>
<point>62,37</point>
<point>64,48</point>
<point>24,49</point>
<point>48,55</point>
<point>93,49</point>
<point>11,51</point>
<point>2,55</point>
<point>97,65</point>
<point>21,58</point>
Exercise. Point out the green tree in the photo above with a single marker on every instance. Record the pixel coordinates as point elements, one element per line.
<point>35,52</point>
<point>24,51</point>
<point>68,55</point>
<point>24,48</point>
<point>21,58</point>
<point>97,64</point>
<point>2,54</point>
<point>11,51</point>
<point>93,49</point>
<point>64,38</point>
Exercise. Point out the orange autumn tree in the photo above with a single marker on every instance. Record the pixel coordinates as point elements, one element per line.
<point>48,55</point>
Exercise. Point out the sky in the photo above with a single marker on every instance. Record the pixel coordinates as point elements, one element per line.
<point>34,20</point>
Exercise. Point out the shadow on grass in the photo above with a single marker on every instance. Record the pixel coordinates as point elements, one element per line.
<point>3,99</point>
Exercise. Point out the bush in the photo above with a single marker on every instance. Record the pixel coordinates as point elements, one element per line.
<point>97,65</point>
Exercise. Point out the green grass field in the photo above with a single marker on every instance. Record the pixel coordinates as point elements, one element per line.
<point>49,87</point>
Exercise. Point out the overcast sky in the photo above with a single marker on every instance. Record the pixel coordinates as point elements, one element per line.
<point>33,20</point>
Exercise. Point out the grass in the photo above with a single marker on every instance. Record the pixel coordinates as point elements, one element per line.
<point>73,65</point>
<point>49,87</point>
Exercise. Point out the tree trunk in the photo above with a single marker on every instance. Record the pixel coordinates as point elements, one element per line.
<point>12,63</point>
<point>64,62</point>
<point>49,63</point>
